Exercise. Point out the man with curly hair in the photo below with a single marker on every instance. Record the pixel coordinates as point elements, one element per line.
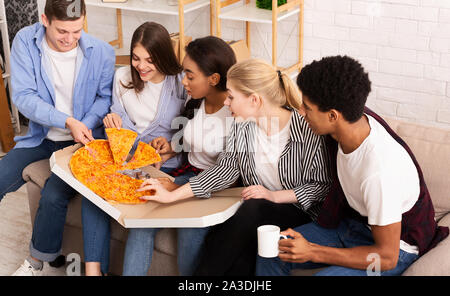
<point>378,218</point>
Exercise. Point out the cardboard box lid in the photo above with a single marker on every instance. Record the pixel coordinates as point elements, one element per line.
<point>122,60</point>
<point>175,38</point>
<point>240,49</point>
<point>193,212</point>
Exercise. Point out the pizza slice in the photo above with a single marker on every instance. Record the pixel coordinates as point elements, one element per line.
<point>100,152</point>
<point>145,155</point>
<point>94,153</point>
<point>92,161</point>
<point>120,142</point>
<point>119,188</point>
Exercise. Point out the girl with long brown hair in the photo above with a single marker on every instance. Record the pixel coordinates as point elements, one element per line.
<point>204,135</point>
<point>147,96</point>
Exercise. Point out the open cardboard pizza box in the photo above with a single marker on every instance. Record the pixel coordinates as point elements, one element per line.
<point>192,212</point>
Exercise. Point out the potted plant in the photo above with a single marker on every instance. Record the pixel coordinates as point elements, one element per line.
<point>267,4</point>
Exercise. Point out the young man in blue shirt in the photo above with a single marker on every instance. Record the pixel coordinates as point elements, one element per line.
<point>62,82</point>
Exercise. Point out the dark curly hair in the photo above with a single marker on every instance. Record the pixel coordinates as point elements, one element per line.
<point>337,82</point>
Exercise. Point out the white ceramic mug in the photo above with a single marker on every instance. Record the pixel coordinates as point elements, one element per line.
<point>268,237</point>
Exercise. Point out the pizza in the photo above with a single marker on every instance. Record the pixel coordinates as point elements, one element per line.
<point>95,166</point>
<point>144,155</point>
<point>121,141</point>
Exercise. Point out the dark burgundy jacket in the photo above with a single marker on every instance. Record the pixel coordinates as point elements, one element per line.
<point>418,225</point>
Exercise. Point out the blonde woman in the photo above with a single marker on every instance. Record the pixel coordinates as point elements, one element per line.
<point>281,162</point>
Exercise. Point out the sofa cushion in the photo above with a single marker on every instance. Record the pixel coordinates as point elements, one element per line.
<point>431,147</point>
<point>445,221</point>
<point>38,172</point>
<point>166,241</point>
<point>436,261</point>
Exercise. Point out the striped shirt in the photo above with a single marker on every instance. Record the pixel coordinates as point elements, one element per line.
<point>303,165</point>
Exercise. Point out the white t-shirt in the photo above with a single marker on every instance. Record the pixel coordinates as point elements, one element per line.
<point>268,152</point>
<point>379,179</point>
<point>205,136</point>
<point>62,66</point>
<point>141,108</point>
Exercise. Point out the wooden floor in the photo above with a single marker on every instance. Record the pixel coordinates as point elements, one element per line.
<point>15,234</point>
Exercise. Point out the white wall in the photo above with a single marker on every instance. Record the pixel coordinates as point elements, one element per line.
<point>403,44</point>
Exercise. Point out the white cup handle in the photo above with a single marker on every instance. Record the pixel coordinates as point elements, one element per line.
<point>282,237</point>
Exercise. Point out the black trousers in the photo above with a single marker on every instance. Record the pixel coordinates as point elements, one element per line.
<point>230,248</point>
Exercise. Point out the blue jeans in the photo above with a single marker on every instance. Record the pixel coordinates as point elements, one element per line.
<point>350,233</point>
<point>140,243</point>
<point>96,234</point>
<point>48,226</point>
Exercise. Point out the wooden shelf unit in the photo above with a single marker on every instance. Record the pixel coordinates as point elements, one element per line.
<point>249,13</point>
<point>157,6</point>
<point>6,61</point>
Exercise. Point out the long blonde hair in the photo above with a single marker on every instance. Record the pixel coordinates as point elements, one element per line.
<point>257,76</point>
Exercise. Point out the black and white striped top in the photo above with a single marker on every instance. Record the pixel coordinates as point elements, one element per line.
<point>303,165</point>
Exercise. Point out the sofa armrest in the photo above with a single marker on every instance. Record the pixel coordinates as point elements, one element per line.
<point>38,172</point>
<point>437,260</point>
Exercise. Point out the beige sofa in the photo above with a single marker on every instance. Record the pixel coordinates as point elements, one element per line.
<point>430,145</point>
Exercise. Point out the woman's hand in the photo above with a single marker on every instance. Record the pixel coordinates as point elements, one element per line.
<point>163,147</point>
<point>169,185</point>
<point>112,120</point>
<point>164,158</point>
<point>257,192</point>
<point>162,195</point>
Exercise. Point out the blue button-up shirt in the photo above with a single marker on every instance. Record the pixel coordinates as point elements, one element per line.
<point>33,92</point>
